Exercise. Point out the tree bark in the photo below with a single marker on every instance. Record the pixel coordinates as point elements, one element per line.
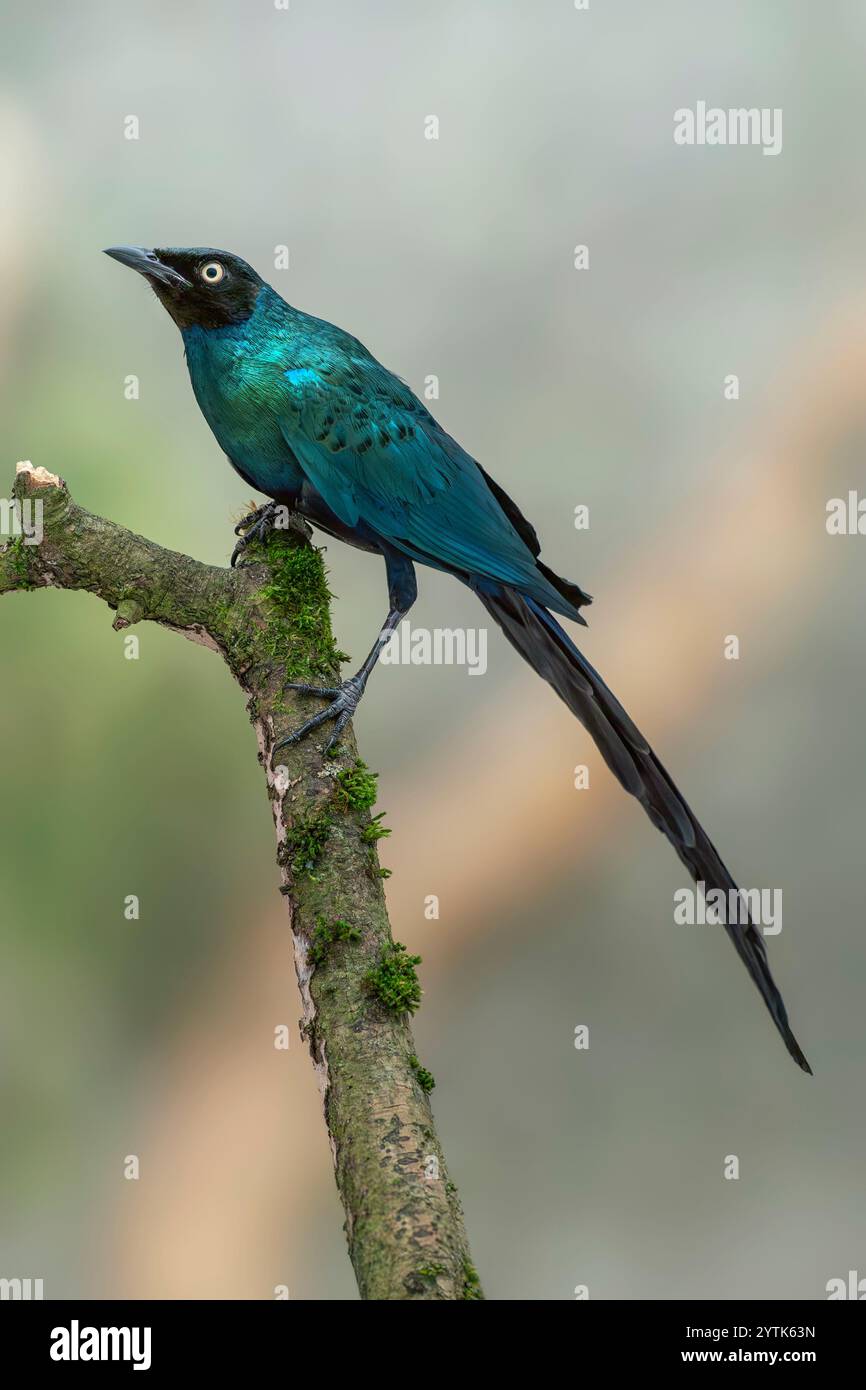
<point>270,621</point>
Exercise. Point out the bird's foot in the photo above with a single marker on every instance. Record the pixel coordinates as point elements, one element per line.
<point>258,525</point>
<point>343,701</point>
<point>254,527</point>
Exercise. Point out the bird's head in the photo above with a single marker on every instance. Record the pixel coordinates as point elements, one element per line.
<point>198,286</point>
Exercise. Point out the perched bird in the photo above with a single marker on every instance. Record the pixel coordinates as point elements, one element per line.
<point>307,416</point>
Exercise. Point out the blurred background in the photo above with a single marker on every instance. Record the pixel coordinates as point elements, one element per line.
<point>604,387</point>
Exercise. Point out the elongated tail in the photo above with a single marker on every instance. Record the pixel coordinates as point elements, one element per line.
<point>541,641</point>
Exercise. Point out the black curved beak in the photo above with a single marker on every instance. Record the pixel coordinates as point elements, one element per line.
<point>147,263</point>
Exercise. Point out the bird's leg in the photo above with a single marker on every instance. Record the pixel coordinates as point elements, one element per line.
<point>345,698</point>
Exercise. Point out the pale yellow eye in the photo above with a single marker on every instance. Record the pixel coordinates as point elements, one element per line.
<point>212,272</point>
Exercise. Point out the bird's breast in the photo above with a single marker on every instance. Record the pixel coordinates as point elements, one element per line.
<point>237,390</point>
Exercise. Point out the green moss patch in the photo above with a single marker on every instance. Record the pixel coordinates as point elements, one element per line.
<point>394,981</point>
<point>305,842</point>
<point>358,787</point>
<point>424,1077</point>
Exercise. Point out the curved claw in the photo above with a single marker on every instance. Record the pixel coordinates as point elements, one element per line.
<point>236,554</point>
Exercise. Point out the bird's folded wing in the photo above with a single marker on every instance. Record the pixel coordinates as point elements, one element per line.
<point>376,455</point>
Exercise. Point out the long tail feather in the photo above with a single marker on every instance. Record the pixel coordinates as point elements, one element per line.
<point>540,640</point>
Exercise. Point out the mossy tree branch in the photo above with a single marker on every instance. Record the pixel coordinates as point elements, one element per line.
<point>270,621</point>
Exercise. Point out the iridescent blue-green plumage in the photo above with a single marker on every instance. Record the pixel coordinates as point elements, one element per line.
<point>310,418</point>
<point>295,401</point>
